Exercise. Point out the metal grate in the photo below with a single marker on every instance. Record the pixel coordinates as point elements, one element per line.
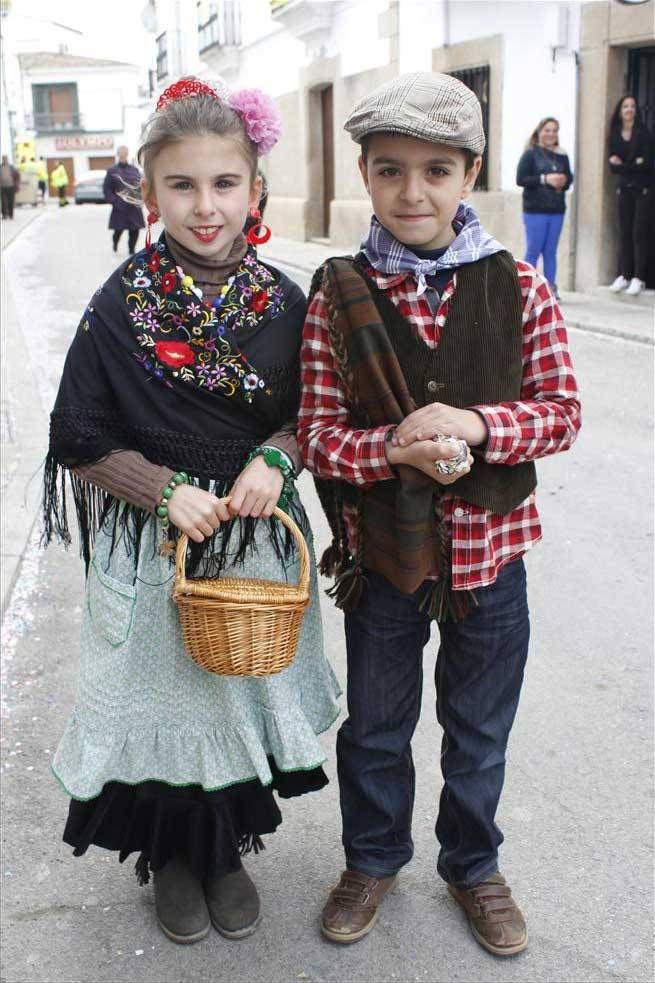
<point>477,79</point>
<point>221,25</point>
<point>162,57</point>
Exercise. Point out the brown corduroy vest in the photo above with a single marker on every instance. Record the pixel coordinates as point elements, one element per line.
<point>478,361</point>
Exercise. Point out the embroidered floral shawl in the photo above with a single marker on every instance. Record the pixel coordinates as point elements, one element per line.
<point>190,386</point>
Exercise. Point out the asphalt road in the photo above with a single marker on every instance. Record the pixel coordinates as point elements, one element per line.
<point>577,809</point>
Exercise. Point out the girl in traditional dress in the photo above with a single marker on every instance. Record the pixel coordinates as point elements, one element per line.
<point>181,387</point>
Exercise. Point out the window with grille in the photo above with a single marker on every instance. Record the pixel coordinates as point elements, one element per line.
<point>477,79</point>
<point>55,107</point>
<point>218,24</point>
<point>162,57</point>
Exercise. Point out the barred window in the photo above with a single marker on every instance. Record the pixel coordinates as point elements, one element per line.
<point>219,24</point>
<point>162,57</point>
<point>477,79</point>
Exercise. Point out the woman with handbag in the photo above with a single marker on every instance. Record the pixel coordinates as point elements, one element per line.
<point>180,390</point>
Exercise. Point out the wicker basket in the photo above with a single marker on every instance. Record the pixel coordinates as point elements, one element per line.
<point>242,627</point>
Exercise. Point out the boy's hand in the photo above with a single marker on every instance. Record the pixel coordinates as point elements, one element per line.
<point>196,512</point>
<point>257,490</point>
<point>423,455</point>
<point>437,418</point>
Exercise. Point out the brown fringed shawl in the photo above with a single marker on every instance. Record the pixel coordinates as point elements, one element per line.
<point>400,534</point>
<point>400,529</point>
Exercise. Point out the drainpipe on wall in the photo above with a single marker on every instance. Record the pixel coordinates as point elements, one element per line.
<point>573,234</point>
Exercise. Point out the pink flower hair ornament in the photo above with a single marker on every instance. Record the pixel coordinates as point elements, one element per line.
<point>260,116</point>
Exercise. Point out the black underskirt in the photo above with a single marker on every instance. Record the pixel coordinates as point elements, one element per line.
<point>209,830</point>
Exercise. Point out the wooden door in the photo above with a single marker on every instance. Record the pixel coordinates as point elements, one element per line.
<point>101,163</point>
<point>327,131</point>
<point>61,104</point>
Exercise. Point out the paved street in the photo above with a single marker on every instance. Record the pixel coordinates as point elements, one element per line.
<point>578,806</point>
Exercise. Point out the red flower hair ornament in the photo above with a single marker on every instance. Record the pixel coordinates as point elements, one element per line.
<point>258,113</point>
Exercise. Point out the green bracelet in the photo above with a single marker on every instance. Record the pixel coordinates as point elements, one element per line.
<point>276,459</point>
<point>179,478</point>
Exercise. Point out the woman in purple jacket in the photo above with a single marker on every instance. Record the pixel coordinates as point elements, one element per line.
<point>123,177</point>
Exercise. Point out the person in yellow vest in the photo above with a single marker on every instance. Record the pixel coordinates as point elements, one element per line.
<point>42,177</point>
<point>59,181</point>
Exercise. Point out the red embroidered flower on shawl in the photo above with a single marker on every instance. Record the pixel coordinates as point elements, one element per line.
<point>174,353</point>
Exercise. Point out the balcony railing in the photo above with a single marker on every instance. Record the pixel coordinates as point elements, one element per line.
<point>222,28</point>
<point>55,122</point>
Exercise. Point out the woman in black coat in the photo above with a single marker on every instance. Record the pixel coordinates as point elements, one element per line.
<point>123,177</point>
<point>544,173</point>
<point>631,159</point>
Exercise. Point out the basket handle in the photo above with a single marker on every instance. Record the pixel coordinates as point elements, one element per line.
<point>286,520</point>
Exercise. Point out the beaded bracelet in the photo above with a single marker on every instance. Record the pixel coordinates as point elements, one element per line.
<point>276,459</point>
<point>179,478</point>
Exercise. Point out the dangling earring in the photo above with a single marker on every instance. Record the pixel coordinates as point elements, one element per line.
<point>150,221</point>
<point>254,237</point>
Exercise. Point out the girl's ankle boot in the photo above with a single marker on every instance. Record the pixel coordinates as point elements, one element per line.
<point>233,904</point>
<point>180,903</point>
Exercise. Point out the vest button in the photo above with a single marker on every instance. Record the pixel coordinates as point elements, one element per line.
<point>432,386</point>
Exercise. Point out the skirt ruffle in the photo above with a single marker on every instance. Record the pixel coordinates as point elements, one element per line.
<point>210,830</point>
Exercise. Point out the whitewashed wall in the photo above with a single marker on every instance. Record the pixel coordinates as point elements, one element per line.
<point>536,83</point>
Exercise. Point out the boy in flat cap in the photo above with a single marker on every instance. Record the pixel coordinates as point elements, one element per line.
<point>435,371</point>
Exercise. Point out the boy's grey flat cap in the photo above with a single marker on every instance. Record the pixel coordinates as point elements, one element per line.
<point>425,105</point>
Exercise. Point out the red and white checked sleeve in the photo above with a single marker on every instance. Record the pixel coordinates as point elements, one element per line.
<point>330,448</point>
<point>547,417</point>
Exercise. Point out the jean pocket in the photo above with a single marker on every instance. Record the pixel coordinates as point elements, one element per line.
<point>111,606</point>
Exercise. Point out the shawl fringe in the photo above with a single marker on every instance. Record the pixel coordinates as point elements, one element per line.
<point>125,523</point>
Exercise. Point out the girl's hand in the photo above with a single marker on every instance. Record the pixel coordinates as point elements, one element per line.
<point>422,455</point>
<point>438,418</point>
<point>257,490</point>
<point>196,512</point>
<point>615,159</point>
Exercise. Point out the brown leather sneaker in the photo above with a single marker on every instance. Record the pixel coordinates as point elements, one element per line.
<point>352,907</point>
<point>495,918</point>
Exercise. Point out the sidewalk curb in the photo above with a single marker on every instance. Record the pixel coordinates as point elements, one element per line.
<point>16,231</point>
<point>601,332</point>
<point>18,493</point>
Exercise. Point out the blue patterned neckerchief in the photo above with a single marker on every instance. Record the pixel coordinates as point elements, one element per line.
<point>389,256</point>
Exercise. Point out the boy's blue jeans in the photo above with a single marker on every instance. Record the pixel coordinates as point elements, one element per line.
<point>478,679</point>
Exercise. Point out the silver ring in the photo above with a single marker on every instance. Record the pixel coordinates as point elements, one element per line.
<point>452,465</point>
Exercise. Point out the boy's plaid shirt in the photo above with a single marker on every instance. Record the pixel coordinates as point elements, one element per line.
<point>545,420</point>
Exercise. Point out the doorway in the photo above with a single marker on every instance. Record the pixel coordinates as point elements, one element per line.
<point>640,82</point>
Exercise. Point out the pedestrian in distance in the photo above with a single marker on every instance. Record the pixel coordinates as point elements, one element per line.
<point>545,175</point>
<point>42,177</point>
<point>181,388</point>
<point>125,214</point>
<point>632,160</point>
<point>435,369</point>
<point>59,181</point>
<point>9,185</point>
